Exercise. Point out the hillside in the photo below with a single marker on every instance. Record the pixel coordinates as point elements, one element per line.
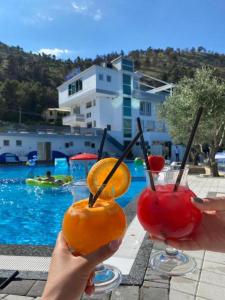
<point>28,81</point>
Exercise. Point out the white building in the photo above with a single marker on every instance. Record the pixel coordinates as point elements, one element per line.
<point>113,96</point>
<point>21,145</point>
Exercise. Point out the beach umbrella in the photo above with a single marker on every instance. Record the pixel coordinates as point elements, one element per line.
<point>84,156</point>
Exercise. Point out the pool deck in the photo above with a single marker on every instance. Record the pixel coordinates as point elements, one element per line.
<point>140,282</point>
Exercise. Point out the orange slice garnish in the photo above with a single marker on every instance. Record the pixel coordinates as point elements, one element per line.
<point>117,185</point>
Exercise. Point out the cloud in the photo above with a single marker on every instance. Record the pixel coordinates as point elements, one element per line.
<point>86,8</point>
<point>79,8</point>
<point>57,52</point>
<point>42,17</point>
<point>38,18</point>
<point>98,15</point>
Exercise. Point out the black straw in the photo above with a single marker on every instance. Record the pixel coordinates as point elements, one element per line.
<point>145,155</point>
<point>117,164</point>
<point>102,144</point>
<point>99,158</point>
<point>188,148</point>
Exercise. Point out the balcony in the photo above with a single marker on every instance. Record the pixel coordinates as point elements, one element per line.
<point>155,126</point>
<point>147,95</point>
<point>74,120</point>
<point>140,94</point>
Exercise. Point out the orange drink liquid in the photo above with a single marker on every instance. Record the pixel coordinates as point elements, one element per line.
<point>86,229</point>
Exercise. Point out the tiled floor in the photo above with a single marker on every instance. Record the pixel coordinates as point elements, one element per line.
<point>208,282</point>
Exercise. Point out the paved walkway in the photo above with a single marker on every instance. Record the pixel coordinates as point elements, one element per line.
<point>208,282</point>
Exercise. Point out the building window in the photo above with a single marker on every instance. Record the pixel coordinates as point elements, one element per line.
<point>50,113</point>
<point>127,128</point>
<point>108,78</point>
<point>142,108</point>
<point>127,111</point>
<point>67,145</point>
<point>94,123</point>
<point>89,125</point>
<point>127,107</point>
<point>126,79</point>
<point>150,125</point>
<point>18,143</point>
<point>76,110</point>
<point>126,84</point>
<point>88,104</point>
<point>145,108</point>
<point>87,144</point>
<point>94,102</point>
<point>127,65</point>
<point>100,76</point>
<point>6,143</point>
<point>148,108</point>
<point>75,87</point>
<point>88,115</point>
<point>108,127</point>
<point>92,145</point>
<point>127,89</point>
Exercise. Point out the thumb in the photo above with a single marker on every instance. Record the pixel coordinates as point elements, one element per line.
<point>214,204</point>
<point>102,253</point>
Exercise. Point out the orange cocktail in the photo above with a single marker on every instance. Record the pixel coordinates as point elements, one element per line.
<point>86,229</point>
<point>88,225</point>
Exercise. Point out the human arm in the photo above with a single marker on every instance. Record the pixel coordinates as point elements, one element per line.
<point>69,276</point>
<point>210,235</point>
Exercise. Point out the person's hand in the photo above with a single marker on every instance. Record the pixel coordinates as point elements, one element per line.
<point>69,276</point>
<point>210,235</point>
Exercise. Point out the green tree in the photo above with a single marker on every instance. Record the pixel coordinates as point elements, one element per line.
<point>204,89</point>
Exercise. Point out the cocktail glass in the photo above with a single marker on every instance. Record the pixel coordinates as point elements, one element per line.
<point>169,214</point>
<point>107,277</point>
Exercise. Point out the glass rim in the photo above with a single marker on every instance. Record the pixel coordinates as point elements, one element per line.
<point>167,170</point>
<point>83,183</point>
<point>80,182</point>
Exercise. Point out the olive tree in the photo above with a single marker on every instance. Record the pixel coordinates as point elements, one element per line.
<point>204,89</point>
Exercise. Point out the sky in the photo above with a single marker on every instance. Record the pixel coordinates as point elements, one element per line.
<point>86,28</point>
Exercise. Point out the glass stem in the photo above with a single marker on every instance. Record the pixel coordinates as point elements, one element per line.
<point>171,251</point>
<point>99,267</point>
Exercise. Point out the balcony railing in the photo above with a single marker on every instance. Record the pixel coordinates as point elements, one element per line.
<point>73,119</point>
<point>156,126</point>
<point>140,94</point>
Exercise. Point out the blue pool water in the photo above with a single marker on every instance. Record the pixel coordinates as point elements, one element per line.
<point>33,215</point>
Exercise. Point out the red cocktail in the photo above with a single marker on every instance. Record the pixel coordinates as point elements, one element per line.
<point>166,214</point>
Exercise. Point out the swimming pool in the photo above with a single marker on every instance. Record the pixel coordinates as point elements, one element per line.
<point>33,215</point>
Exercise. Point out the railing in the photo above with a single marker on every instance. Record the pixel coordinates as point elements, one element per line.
<point>155,126</point>
<point>73,119</point>
<point>139,94</point>
<point>113,141</point>
<point>87,131</point>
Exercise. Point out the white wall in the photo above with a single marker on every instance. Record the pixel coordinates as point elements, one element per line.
<point>114,85</point>
<point>88,78</point>
<point>30,141</point>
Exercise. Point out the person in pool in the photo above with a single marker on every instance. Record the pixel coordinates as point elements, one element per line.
<point>50,178</point>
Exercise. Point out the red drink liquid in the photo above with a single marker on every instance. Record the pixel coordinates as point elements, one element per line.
<point>167,214</point>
